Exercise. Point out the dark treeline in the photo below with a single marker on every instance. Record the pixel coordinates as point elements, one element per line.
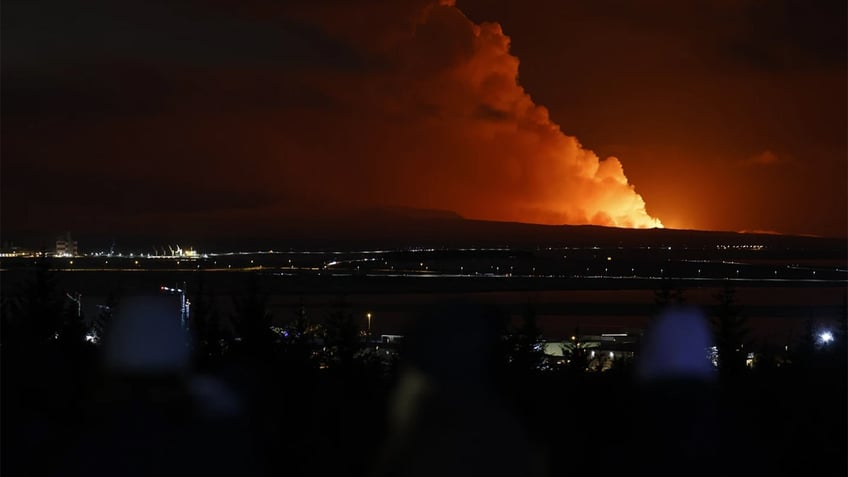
<point>467,391</point>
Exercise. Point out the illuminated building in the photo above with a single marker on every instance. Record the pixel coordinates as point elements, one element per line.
<point>65,246</point>
<point>599,351</point>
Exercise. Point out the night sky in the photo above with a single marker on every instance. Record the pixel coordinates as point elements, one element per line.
<point>131,116</point>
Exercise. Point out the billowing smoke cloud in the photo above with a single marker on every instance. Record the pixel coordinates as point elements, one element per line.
<point>445,124</point>
<point>294,108</point>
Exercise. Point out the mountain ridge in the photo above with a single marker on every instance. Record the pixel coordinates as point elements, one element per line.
<point>409,227</point>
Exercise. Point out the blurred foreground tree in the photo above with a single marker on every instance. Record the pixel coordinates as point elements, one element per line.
<point>576,353</point>
<point>669,293</point>
<point>252,321</point>
<point>105,315</point>
<point>731,333</point>
<point>524,343</point>
<point>299,338</point>
<point>206,325</point>
<point>35,314</point>
<point>341,337</point>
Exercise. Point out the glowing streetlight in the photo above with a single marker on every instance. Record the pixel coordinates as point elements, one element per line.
<point>369,322</point>
<point>825,337</point>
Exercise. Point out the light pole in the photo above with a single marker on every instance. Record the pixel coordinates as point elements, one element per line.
<point>184,303</point>
<point>369,324</point>
<point>77,299</point>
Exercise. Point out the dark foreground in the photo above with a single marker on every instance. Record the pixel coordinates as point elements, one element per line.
<point>461,395</point>
<point>274,370</point>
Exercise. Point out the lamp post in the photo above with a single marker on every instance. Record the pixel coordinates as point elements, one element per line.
<point>184,303</point>
<point>369,324</point>
<point>77,299</point>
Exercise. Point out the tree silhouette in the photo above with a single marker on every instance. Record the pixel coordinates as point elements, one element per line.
<point>731,333</point>
<point>577,356</point>
<point>842,325</point>
<point>523,343</point>
<point>668,294</point>
<point>252,321</point>
<point>806,349</point>
<point>766,361</point>
<point>299,337</point>
<point>838,349</point>
<point>206,326</point>
<point>105,314</point>
<point>36,315</point>
<point>341,335</point>
<point>10,326</point>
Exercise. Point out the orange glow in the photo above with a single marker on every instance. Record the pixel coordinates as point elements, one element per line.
<point>570,185</point>
<point>332,108</point>
<point>451,128</point>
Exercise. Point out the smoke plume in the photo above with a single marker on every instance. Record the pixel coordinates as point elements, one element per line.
<point>249,116</point>
<point>443,123</point>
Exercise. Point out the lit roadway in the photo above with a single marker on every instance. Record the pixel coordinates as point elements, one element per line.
<point>590,263</point>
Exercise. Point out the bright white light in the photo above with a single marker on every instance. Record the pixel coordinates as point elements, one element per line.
<point>826,337</point>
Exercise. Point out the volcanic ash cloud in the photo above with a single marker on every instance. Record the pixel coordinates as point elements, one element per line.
<point>457,131</point>
<point>519,158</point>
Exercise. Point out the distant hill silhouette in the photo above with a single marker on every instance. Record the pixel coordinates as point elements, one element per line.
<point>412,213</point>
<point>410,227</point>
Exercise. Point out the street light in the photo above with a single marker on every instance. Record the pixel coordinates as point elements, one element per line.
<point>77,299</point>
<point>185,304</point>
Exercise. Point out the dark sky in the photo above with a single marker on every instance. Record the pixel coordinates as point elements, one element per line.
<point>121,117</point>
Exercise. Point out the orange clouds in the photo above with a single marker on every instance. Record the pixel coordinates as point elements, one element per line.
<point>301,108</point>
<point>449,127</point>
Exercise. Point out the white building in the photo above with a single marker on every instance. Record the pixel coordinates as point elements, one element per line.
<point>65,246</point>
